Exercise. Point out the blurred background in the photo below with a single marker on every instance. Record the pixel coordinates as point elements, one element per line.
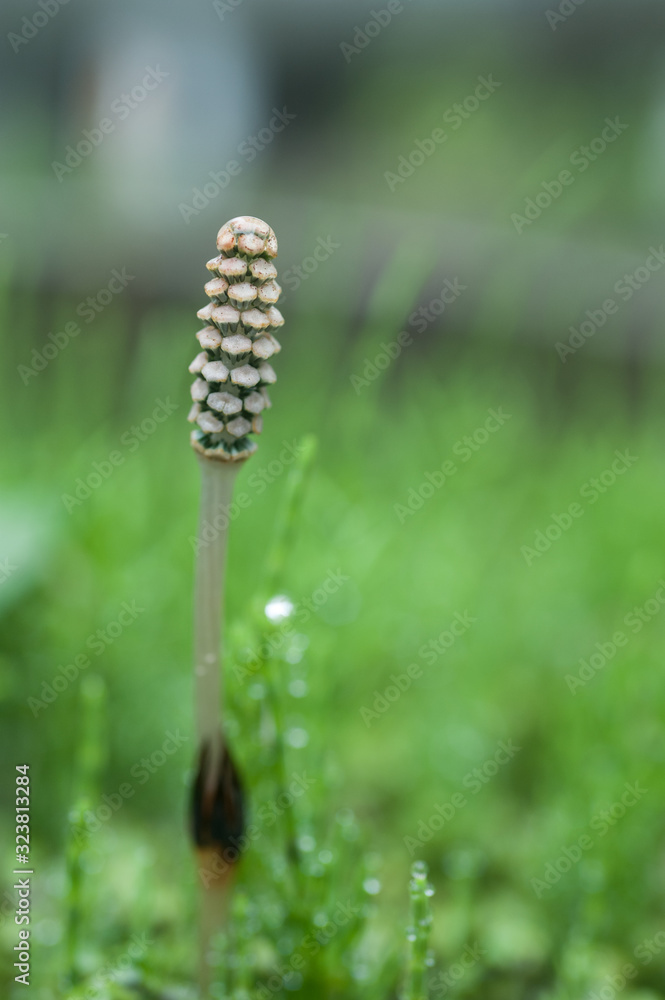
<point>469,205</point>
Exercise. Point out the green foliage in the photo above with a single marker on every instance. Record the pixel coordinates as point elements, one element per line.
<point>296,684</point>
<point>418,933</point>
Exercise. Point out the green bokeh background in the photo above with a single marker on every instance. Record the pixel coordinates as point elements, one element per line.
<point>461,551</point>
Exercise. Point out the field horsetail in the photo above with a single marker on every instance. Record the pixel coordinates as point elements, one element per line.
<point>229,393</point>
<point>233,366</point>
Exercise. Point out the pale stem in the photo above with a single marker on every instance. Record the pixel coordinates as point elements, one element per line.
<point>217,480</point>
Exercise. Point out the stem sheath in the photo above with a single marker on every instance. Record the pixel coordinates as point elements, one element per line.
<point>217,481</point>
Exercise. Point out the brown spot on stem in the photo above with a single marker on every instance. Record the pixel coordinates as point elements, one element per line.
<point>217,807</point>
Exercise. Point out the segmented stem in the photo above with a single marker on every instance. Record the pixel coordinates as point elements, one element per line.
<point>418,933</point>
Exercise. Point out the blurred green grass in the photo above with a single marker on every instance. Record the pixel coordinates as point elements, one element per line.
<point>503,680</point>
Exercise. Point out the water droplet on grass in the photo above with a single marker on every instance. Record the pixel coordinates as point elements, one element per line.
<point>278,608</point>
<point>297,737</point>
